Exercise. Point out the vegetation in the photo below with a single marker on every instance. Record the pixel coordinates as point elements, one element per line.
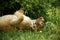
<point>49,9</point>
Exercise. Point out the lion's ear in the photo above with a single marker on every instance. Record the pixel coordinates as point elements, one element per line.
<point>41,18</point>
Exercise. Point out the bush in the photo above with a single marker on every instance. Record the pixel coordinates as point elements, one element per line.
<point>34,8</point>
<point>49,9</point>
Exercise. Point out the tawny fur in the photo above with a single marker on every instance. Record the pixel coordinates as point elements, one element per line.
<point>39,23</point>
<point>8,22</point>
<point>26,24</point>
<point>19,21</point>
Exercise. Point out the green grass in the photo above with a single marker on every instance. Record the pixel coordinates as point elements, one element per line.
<point>49,32</point>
